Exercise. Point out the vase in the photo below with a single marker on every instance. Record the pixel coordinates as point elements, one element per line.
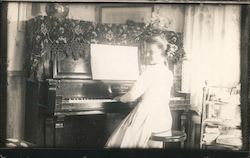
<point>58,10</point>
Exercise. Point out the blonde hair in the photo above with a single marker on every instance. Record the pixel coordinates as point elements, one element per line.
<point>160,41</point>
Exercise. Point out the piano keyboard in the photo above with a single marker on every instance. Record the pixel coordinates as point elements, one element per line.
<point>85,100</point>
<point>86,106</point>
<point>175,100</point>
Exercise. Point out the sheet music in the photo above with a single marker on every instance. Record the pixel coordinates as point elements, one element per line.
<point>109,62</point>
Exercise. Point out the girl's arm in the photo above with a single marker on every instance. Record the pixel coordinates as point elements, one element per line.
<point>136,90</point>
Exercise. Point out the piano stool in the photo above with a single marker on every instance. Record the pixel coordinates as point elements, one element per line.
<point>177,137</point>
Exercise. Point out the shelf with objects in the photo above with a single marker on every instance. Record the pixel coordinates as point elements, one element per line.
<point>220,120</point>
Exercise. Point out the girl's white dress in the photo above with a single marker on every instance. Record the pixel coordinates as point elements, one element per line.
<point>151,115</point>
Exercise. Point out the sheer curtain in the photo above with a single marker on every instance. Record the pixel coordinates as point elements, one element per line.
<point>212,46</point>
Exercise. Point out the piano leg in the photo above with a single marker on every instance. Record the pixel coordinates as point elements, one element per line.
<point>185,126</point>
<point>50,132</point>
<point>59,131</point>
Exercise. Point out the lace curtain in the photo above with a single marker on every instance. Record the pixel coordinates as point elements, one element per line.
<point>212,46</point>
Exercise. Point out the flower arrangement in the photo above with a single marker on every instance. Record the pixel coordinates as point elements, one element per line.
<point>158,25</point>
<point>158,22</point>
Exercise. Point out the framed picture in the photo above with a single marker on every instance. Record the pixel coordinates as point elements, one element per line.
<point>121,14</point>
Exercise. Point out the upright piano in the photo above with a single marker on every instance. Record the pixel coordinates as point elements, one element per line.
<point>82,111</point>
<point>90,100</point>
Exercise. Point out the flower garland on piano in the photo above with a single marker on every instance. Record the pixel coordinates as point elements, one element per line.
<point>159,25</point>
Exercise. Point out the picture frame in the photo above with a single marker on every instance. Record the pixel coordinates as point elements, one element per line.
<point>121,14</point>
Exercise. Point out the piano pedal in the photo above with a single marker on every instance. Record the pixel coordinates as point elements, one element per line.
<point>59,122</point>
<point>59,125</point>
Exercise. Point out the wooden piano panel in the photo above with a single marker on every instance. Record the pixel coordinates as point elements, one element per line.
<point>81,89</point>
<point>85,131</point>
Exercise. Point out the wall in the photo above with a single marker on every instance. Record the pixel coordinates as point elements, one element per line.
<point>77,11</point>
<point>15,74</point>
<point>174,13</point>
<point>15,38</point>
<point>82,12</point>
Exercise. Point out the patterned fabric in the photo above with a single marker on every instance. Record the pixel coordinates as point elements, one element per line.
<point>48,36</point>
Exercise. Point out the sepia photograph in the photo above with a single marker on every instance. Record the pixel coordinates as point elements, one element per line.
<point>92,75</point>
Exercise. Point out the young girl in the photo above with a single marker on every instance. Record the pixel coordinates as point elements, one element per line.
<point>152,114</point>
